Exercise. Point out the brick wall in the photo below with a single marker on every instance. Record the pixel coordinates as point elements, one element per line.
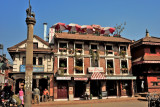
<point>71,65</point>
<point>117,66</point>
<point>86,64</point>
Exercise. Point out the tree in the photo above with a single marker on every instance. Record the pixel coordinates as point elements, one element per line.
<point>119,29</point>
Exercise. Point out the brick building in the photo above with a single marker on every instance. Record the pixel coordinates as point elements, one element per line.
<point>146,63</point>
<point>42,65</point>
<point>92,64</point>
<point>5,68</point>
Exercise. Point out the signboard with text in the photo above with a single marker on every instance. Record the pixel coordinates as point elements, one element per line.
<point>95,69</point>
<point>36,68</point>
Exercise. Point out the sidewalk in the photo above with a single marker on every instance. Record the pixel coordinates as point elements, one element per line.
<point>88,101</point>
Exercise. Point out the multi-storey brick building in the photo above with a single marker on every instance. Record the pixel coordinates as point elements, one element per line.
<point>146,63</point>
<point>5,68</point>
<point>92,64</point>
<point>42,65</point>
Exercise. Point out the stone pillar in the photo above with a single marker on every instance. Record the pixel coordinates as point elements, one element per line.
<point>30,21</point>
<point>14,86</point>
<point>71,95</point>
<point>132,88</point>
<point>48,85</point>
<point>88,88</point>
<point>37,82</point>
<point>55,90</point>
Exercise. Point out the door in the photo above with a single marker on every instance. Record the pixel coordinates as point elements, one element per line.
<point>62,90</point>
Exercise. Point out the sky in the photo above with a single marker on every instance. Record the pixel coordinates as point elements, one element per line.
<point>139,15</point>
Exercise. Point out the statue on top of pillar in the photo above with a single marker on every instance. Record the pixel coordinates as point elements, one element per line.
<point>29,11</point>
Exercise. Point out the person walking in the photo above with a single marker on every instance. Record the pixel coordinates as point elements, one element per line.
<point>21,95</point>
<point>36,94</point>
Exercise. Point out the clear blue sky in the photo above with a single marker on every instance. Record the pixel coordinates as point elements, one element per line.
<point>138,14</point>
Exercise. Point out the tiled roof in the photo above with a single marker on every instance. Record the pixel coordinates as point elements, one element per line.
<point>147,58</point>
<point>146,39</point>
<point>90,37</point>
<point>37,37</point>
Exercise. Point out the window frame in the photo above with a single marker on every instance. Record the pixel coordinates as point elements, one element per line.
<point>59,57</point>
<point>82,47</point>
<point>113,66</point>
<point>82,66</point>
<point>66,47</point>
<point>112,50</point>
<point>121,67</point>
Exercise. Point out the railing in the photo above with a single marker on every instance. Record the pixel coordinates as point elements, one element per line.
<point>36,68</point>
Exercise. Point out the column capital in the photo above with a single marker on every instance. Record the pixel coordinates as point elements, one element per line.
<point>30,20</point>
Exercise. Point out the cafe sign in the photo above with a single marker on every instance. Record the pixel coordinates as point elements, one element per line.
<point>95,69</point>
<point>63,78</point>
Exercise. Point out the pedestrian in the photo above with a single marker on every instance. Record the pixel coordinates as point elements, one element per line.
<point>21,95</point>
<point>18,100</point>
<point>45,94</point>
<point>36,94</point>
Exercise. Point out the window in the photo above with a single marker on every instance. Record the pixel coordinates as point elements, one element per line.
<point>94,46</point>
<point>40,62</point>
<point>62,47</point>
<point>35,45</point>
<point>94,62</point>
<point>34,60</point>
<point>63,65</point>
<point>155,83</point>
<point>24,61</point>
<point>152,50</point>
<point>124,67</point>
<point>110,67</point>
<point>109,49</point>
<point>78,48</point>
<point>78,66</point>
<point>123,50</point>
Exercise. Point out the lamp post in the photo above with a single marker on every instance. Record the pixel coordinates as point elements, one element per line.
<point>30,21</point>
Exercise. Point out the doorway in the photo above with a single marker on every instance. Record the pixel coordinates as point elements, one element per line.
<point>62,91</point>
<point>111,87</point>
<point>80,88</point>
<point>95,87</point>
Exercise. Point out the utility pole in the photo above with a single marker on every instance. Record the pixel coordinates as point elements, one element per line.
<point>30,21</point>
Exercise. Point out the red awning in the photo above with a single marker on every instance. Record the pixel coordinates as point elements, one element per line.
<point>97,76</point>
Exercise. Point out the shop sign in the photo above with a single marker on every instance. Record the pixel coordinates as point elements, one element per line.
<point>80,79</point>
<point>63,78</point>
<point>121,78</point>
<point>95,69</point>
<point>36,68</point>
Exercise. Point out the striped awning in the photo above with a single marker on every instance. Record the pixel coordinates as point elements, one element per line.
<point>97,76</point>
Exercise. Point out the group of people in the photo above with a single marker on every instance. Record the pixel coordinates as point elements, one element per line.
<point>36,93</point>
<point>7,93</point>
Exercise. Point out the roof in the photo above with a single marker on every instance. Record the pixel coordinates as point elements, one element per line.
<point>90,37</point>
<point>37,37</point>
<point>146,39</point>
<point>147,58</point>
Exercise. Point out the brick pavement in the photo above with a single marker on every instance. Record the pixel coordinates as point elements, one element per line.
<point>55,103</point>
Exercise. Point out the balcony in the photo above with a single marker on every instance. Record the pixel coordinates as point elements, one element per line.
<point>36,68</point>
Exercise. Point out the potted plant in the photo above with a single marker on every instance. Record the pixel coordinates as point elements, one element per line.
<point>91,96</point>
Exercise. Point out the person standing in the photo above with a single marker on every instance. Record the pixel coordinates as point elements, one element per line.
<point>36,94</point>
<point>21,95</point>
